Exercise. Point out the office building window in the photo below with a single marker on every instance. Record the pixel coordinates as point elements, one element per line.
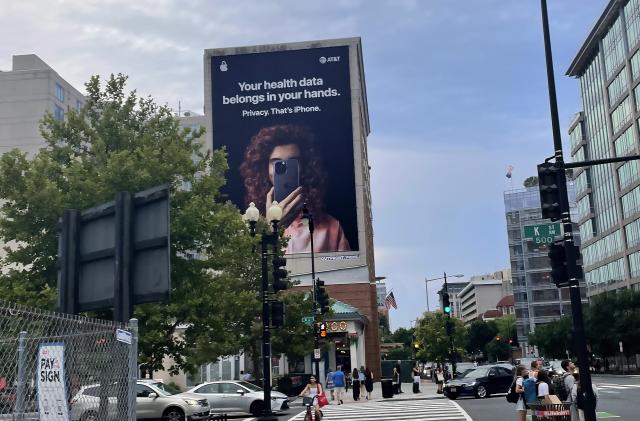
<point>59,92</point>
<point>58,113</point>
<point>635,66</point>
<point>632,17</point>
<point>625,143</point>
<point>621,115</point>
<point>586,230</point>
<point>584,207</point>
<point>631,203</point>
<point>613,271</point>
<point>628,174</point>
<point>632,231</point>
<point>576,135</point>
<point>78,105</point>
<point>602,249</point>
<point>618,87</point>
<point>634,264</point>
<point>613,48</point>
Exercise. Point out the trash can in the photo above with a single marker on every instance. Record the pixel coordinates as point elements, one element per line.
<point>550,412</point>
<point>387,388</point>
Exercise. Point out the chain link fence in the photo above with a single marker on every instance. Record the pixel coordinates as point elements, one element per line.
<point>58,367</point>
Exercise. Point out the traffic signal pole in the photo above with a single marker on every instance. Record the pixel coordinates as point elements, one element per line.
<point>266,240</point>
<point>449,328</point>
<point>572,256</point>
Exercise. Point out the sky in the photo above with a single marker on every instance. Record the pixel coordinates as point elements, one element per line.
<point>456,90</point>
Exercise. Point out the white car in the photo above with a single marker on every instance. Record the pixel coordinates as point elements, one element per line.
<point>239,396</point>
<point>154,400</point>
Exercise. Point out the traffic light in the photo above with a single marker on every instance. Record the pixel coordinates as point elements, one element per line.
<point>446,305</point>
<point>277,313</point>
<point>498,338</point>
<point>323,330</point>
<point>549,183</point>
<point>279,274</point>
<point>322,298</point>
<point>510,341</point>
<point>558,257</point>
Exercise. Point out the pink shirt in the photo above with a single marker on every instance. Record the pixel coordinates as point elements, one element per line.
<point>327,236</point>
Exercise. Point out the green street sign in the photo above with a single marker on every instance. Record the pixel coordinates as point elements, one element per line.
<point>307,320</point>
<point>543,233</point>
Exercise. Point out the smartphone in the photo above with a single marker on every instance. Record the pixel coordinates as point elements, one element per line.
<point>286,178</point>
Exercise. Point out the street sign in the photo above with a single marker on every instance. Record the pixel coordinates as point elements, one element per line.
<point>316,353</point>
<point>542,233</point>
<point>307,320</point>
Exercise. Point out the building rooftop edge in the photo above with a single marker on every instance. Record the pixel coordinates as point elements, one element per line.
<point>585,52</point>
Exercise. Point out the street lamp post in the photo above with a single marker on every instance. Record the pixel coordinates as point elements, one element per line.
<point>251,216</point>
<point>449,325</point>
<point>307,219</point>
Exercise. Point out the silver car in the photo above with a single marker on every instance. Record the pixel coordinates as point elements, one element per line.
<point>154,400</point>
<point>239,396</point>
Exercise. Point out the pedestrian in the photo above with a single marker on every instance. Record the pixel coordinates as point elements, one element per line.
<point>439,379</point>
<point>545,388</point>
<point>331,384</point>
<point>247,377</point>
<point>355,382</point>
<point>416,378</point>
<point>368,382</point>
<point>398,377</point>
<point>362,378</point>
<point>578,396</point>
<point>521,408</point>
<point>564,388</point>
<point>339,382</point>
<point>533,371</point>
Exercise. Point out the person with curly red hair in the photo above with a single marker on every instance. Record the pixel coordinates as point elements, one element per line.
<point>283,142</point>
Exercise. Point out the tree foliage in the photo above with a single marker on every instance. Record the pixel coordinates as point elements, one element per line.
<point>554,339</point>
<point>530,181</point>
<point>431,335</point>
<point>617,314</point>
<point>119,141</point>
<point>479,334</point>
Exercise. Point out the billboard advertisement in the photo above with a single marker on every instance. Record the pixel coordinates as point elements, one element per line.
<point>285,120</point>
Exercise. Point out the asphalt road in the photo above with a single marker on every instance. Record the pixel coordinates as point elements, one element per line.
<point>618,401</point>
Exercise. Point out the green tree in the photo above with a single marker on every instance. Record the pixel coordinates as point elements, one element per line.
<point>616,313</point>
<point>554,339</point>
<point>403,336</point>
<point>119,141</point>
<point>431,335</point>
<point>385,332</point>
<point>498,349</point>
<point>531,181</point>
<point>479,334</point>
<point>506,326</point>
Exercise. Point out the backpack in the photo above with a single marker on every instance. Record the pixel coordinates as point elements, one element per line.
<point>560,387</point>
<point>530,390</point>
<point>512,396</point>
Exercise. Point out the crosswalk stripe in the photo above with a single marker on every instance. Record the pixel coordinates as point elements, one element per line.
<point>441,410</point>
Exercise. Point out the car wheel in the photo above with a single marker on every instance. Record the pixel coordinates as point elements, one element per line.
<point>256,408</point>
<point>481,392</point>
<point>173,414</point>
<point>89,416</point>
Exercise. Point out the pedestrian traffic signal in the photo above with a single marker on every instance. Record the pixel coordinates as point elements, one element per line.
<point>323,330</point>
<point>446,304</point>
<point>549,183</point>
<point>277,313</point>
<point>322,298</point>
<point>279,274</point>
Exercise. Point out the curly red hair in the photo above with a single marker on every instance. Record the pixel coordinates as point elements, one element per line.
<point>255,168</point>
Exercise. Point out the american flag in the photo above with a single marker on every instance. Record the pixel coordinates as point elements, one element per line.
<point>509,171</point>
<point>390,301</point>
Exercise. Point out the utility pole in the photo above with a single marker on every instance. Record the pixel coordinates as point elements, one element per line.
<point>573,270</point>
<point>446,304</point>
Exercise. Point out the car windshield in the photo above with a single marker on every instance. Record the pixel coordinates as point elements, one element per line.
<point>252,387</point>
<point>478,372</point>
<point>166,389</point>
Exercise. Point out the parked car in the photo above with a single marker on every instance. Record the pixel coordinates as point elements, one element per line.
<point>239,396</point>
<point>154,400</point>
<point>480,382</point>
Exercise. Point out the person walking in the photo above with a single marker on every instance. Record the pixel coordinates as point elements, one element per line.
<point>521,408</point>
<point>416,378</point>
<point>330,383</point>
<point>368,382</point>
<point>339,382</point>
<point>362,378</point>
<point>439,378</point>
<point>355,384</point>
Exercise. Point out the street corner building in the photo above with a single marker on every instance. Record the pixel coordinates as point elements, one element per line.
<point>294,121</point>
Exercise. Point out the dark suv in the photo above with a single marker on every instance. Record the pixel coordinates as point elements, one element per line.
<point>480,382</point>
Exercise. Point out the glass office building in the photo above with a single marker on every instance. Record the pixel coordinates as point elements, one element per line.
<point>608,196</point>
<point>537,300</point>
